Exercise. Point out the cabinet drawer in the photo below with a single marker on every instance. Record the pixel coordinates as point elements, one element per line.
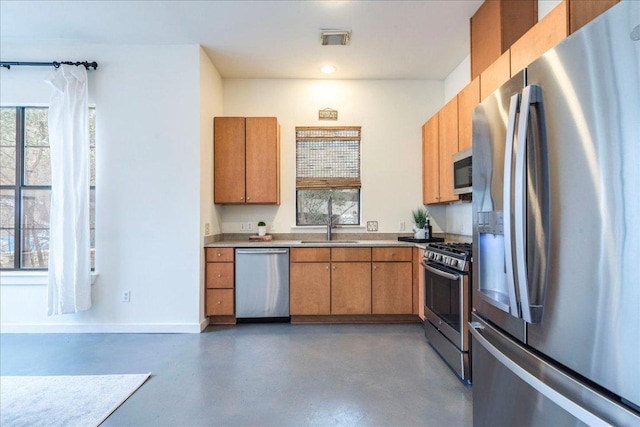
<point>392,254</point>
<point>350,254</point>
<point>219,254</point>
<point>220,302</point>
<point>220,275</point>
<point>310,255</point>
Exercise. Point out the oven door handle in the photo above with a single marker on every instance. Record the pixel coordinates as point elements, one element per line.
<point>440,272</point>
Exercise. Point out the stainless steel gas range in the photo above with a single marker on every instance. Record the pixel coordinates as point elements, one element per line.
<point>447,278</point>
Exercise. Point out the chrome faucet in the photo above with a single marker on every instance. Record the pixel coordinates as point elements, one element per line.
<point>329,218</point>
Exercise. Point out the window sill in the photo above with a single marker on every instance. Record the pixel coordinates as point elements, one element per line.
<point>30,278</point>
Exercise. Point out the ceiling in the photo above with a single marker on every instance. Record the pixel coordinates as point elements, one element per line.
<point>264,39</point>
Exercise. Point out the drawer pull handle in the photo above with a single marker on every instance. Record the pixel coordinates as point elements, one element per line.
<point>219,254</point>
<point>219,302</point>
<point>219,275</point>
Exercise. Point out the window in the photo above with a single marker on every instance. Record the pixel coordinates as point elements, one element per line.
<point>25,187</point>
<point>327,165</point>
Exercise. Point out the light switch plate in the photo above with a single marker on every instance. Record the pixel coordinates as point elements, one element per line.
<point>372,225</point>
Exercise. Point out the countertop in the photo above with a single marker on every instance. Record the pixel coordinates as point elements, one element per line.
<point>312,244</point>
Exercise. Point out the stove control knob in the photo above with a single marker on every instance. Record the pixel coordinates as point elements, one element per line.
<point>439,258</point>
<point>454,262</point>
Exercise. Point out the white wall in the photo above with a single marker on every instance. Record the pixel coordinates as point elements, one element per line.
<point>391,114</point>
<point>210,106</point>
<point>457,79</point>
<point>148,215</point>
<point>546,6</point>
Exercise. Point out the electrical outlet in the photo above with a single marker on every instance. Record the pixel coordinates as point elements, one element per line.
<point>272,226</point>
<point>242,226</point>
<point>126,296</point>
<point>249,226</point>
<point>372,225</point>
<point>207,228</point>
<point>403,225</point>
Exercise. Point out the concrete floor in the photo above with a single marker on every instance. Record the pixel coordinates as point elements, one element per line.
<point>261,375</point>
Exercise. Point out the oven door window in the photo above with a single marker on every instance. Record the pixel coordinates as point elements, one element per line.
<point>442,296</point>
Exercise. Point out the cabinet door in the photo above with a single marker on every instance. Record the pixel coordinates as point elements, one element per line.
<point>310,288</point>
<point>229,159</point>
<point>486,39</point>
<point>219,254</point>
<point>351,288</point>
<point>391,288</point>
<point>448,144</point>
<point>220,275</point>
<point>551,30</point>
<point>393,253</point>
<point>430,162</point>
<point>262,160</point>
<point>495,75</point>
<point>582,12</point>
<point>468,99</point>
<point>220,302</point>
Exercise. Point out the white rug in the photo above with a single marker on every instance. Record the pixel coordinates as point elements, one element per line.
<point>74,400</point>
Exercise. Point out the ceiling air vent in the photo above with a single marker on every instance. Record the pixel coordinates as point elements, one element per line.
<point>335,37</point>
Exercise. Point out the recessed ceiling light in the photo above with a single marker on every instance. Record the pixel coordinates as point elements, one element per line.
<point>328,69</point>
<point>335,37</point>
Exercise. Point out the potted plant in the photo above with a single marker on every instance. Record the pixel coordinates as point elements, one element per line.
<point>420,219</point>
<point>262,228</point>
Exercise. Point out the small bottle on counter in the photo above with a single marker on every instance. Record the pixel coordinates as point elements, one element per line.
<point>427,230</point>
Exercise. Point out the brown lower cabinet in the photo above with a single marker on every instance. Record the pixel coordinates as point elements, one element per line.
<point>309,288</point>
<point>220,302</point>
<point>355,281</point>
<point>391,288</point>
<point>220,284</point>
<point>351,281</point>
<point>351,288</point>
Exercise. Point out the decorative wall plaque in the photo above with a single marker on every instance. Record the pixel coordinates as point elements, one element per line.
<point>327,114</point>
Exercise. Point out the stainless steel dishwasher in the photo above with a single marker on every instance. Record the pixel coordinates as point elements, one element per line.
<point>262,283</point>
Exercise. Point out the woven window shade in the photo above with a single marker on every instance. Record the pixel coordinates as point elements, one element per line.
<point>327,157</point>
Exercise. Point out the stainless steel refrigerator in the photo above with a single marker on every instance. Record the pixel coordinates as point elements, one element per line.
<point>556,227</point>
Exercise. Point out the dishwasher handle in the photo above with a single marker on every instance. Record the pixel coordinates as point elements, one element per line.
<point>261,251</point>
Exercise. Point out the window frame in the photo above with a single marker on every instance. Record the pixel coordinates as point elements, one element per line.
<point>332,184</point>
<point>20,186</point>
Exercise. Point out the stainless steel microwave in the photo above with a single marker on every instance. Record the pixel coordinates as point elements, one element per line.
<point>462,172</point>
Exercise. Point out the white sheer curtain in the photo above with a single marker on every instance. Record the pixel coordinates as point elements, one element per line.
<point>69,245</point>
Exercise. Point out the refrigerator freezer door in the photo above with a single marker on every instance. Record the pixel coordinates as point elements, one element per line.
<point>493,293</point>
<point>508,379</point>
<point>591,87</point>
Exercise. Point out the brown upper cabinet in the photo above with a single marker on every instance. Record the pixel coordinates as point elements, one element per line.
<point>581,12</point>
<point>439,142</point>
<point>495,75</point>
<point>246,160</point>
<point>468,99</point>
<point>563,20</point>
<point>494,28</point>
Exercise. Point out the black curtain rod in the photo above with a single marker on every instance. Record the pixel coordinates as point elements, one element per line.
<point>56,64</point>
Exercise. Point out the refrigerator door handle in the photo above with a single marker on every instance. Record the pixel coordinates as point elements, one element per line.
<point>581,413</point>
<point>531,310</point>
<point>514,109</point>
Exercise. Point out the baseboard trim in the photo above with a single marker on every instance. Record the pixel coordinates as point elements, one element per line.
<point>104,328</point>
